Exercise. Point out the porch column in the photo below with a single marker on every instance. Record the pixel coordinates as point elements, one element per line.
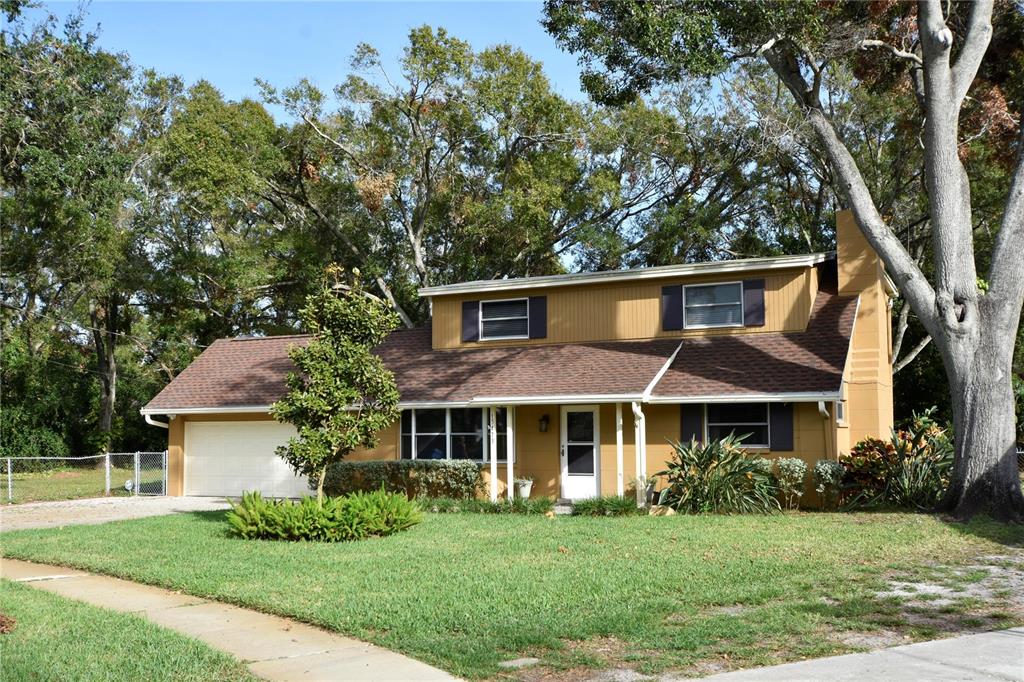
<point>493,451</point>
<point>640,440</point>
<point>619,487</point>
<point>510,443</point>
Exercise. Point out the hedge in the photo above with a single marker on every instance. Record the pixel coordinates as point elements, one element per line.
<point>458,479</point>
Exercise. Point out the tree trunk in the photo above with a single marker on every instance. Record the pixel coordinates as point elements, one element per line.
<point>104,333</point>
<point>985,477</point>
<point>320,487</point>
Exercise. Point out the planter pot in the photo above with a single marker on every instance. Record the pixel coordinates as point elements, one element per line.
<point>523,489</point>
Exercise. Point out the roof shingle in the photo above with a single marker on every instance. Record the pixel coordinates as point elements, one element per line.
<point>250,372</point>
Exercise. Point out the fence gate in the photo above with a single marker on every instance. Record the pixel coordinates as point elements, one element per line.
<point>138,473</point>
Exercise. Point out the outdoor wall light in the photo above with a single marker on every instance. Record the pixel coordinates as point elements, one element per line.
<point>543,423</point>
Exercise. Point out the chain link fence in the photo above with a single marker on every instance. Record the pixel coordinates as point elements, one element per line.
<point>36,479</point>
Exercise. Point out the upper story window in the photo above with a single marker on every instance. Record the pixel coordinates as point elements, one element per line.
<point>739,419</point>
<point>505,319</point>
<point>713,305</point>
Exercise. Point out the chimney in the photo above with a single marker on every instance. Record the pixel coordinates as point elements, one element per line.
<point>868,377</point>
<point>859,266</point>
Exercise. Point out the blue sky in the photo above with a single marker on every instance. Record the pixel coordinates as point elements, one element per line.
<point>231,43</point>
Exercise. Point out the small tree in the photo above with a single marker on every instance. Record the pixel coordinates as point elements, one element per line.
<point>342,394</point>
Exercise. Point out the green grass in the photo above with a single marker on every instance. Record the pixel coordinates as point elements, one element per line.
<point>466,591</point>
<point>60,639</point>
<point>68,483</point>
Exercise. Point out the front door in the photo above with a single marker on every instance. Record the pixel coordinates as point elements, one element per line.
<point>580,448</point>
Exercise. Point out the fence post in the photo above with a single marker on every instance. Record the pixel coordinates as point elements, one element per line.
<point>164,491</point>
<point>106,474</point>
<point>138,475</point>
<point>10,482</point>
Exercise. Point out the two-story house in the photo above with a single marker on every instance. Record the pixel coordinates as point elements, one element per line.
<point>580,381</point>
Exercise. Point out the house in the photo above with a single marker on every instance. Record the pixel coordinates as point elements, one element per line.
<point>580,381</point>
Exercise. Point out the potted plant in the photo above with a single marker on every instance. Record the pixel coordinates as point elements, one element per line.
<point>524,486</point>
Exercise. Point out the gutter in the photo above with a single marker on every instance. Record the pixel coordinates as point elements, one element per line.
<point>154,422</point>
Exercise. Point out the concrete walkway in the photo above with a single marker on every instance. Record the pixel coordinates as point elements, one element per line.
<point>988,656</point>
<point>99,510</point>
<point>274,648</point>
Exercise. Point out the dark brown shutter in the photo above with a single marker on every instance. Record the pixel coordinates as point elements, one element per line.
<point>753,303</point>
<point>780,422</point>
<point>470,321</point>
<point>672,307</point>
<point>692,422</point>
<point>538,317</point>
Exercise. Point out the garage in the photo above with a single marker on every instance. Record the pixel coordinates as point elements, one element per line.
<point>227,458</point>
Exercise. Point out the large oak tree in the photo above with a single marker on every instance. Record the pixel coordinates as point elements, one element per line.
<point>632,46</point>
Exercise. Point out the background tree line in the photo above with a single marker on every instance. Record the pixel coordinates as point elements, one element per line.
<point>142,219</point>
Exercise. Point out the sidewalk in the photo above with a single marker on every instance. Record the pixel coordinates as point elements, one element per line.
<point>988,656</point>
<point>274,648</point>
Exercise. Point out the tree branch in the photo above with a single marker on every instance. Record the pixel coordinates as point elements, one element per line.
<point>976,40</point>
<point>909,357</point>
<point>896,52</point>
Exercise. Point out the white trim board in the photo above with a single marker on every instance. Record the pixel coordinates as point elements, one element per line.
<point>659,272</point>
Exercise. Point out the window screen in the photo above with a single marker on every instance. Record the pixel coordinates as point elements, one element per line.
<point>713,305</point>
<point>456,433</point>
<point>505,319</point>
<point>739,419</point>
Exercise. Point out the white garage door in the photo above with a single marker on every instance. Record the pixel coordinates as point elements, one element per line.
<point>227,458</point>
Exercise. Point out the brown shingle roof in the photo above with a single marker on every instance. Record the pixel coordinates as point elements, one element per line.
<point>810,361</point>
<point>235,373</point>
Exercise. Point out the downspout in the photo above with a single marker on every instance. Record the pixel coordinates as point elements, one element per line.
<point>823,411</point>
<point>153,422</point>
<point>640,448</point>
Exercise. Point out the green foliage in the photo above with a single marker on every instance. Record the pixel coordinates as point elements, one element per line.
<point>828,481</point>
<point>448,505</point>
<point>606,506</point>
<point>334,519</point>
<point>415,478</point>
<point>910,470</point>
<point>791,474</point>
<point>718,477</point>
<point>342,395</point>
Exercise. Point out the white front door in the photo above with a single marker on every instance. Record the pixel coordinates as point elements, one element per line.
<point>581,445</point>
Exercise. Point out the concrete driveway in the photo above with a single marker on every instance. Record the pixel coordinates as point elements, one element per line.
<point>99,510</point>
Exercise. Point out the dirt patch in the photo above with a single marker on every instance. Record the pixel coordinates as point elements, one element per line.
<point>877,639</point>
<point>985,595</point>
<point>65,474</point>
<point>6,624</point>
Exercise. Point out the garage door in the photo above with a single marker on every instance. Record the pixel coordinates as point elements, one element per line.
<point>227,458</point>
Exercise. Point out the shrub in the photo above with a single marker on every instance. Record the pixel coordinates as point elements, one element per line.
<point>352,517</point>
<point>458,479</point>
<point>791,473</point>
<point>911,470</point>
<point>447,505</point>
<point>828,481</point>
<point>717,476</point>
<point>606,506</point>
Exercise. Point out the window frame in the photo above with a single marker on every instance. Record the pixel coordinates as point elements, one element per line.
<point>480,319</point>
<point>746,446</point>
<point>840,412</point>
<point>414,434</point>
<point>741,323</point>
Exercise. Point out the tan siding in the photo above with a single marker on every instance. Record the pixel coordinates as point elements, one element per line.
<point>630,310</point>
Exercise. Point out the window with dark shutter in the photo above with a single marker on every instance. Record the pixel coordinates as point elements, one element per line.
<point>713,305</point>
<point>505,319</point>
<point>739,419</point>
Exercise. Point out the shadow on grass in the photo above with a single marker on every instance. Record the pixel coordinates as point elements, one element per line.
<point>1007,534</point>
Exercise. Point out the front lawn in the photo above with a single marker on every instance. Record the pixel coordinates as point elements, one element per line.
<point>466,591</point>
<point>60,639</point>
